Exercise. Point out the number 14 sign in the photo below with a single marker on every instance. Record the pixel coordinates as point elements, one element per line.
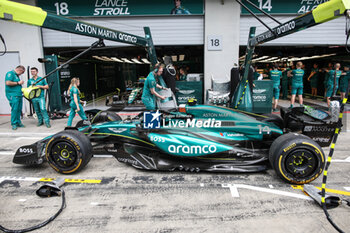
<point>214,42</point>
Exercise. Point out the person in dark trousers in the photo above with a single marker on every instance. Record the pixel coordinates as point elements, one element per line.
<point>285,82</point>
<point>313,79</point>
<point>169,74</point>
<point>13,91</point>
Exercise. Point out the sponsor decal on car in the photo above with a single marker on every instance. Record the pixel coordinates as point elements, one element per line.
<point>206,149</point>
<point>231,134</point>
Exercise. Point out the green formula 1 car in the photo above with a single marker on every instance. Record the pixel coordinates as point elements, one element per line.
<point>194,138</point>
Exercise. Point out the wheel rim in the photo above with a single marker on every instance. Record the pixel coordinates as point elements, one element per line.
<point>63,154</point>
<point>301,163</point>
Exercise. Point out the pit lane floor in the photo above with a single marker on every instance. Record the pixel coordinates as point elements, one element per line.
<point>131,200</point>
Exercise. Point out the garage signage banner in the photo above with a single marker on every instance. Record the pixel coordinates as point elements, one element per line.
<point>113,8</point>
<point>284,6</point>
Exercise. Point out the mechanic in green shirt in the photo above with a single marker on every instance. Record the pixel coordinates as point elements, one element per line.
<point>183,75</point>
<point>344,81</point>
<point>75,102</point>
<point>332,82</point>
<point>39,102</point>
<point>13,90</point>
<point>149,93</point>
<point>275,76</point>
<point>313,79</point>
<point>297,83</point>
<point>285,83</point>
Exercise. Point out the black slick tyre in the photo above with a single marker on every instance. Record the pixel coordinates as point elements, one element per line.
<point>68,151</point>
<point>296,158</point>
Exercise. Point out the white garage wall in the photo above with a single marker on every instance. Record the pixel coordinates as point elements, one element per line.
<point>26,40</point>
<point>221,20</point>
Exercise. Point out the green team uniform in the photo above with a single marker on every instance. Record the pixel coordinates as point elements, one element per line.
<point>183,77</point>
<point>256,75</point>
<point>39,102</point>
<point>326,77</point>
<point>330,82</point>
<point>179,11</point>
<point>344,82</point>
<point>275,76</point>
<point>285,83</point>
<point>297,81</point>
<point>148,98</point>
<point>314,78</point>
<point>73,106</point>
<point>14,96</point>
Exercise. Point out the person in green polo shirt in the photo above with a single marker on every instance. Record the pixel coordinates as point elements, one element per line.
<point>75,102</point>
<point>275,76</point>
<point>297,83</point>
<point>13,90</point>
<point>39,102</point>
<point>149,89</point>
<point>313,79</point>
<point>344,81</point>
<point>333,82</point>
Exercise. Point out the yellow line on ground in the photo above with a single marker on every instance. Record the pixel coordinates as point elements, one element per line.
<point>73,180</point>
<point>327,190</point>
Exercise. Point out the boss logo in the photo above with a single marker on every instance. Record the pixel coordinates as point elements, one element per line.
<point>26,150</point>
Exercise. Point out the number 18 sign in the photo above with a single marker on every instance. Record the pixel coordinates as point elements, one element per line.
<point>214,42</point>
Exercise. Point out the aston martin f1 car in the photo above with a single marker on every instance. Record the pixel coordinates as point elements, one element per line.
<point>194,138</point>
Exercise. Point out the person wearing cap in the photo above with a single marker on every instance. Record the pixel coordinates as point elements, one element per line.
<point>297,83</point>
<point>344,81</point>
<point>149,93</point>
<point>13,91</point>
<point>332,82</point>
<point>178,9</point>
<point>39,102</point>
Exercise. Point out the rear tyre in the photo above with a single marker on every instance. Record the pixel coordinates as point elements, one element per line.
<point>296,158</point>
<point>68,151</point>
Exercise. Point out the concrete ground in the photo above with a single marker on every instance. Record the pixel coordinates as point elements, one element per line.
<point>131,200</point>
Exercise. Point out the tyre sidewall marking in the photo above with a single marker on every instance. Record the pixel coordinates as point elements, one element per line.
<point>76,165</point>
<point>284,155</point>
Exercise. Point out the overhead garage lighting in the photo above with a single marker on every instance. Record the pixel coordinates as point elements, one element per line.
<point>144,60</point>
<point>106,58</point>
<point>174,58</point>
<point>181,57</point>
<point>260,58</point>
<point>116,59</point>
<point>127,61</point>
<point>98,58</point>
<point>136,61</point>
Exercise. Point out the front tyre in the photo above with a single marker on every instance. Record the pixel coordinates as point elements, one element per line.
<point>296,158</point>
<point>68,151</point>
